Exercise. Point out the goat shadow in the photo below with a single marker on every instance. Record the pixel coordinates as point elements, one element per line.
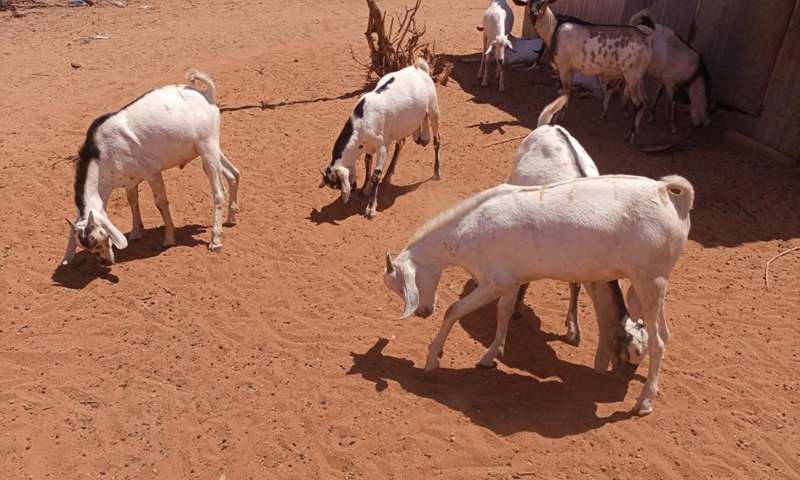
<point>86,268</point>
<point>504,402</point>
<point>740,197</point>
<point>527,346</point>
<point>337,210</point>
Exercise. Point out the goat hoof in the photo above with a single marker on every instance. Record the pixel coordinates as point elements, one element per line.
<point>168,243</point>
<point>214,246</point>
<point>644,407</point>
<point>573,340</point>
<point>135,235</point>
<point>436,176</point>
<point>431,365</point>
<point>370,213</point>
<point>484,366</point>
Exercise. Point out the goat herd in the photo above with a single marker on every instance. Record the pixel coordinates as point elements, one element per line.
<point>555,217</point>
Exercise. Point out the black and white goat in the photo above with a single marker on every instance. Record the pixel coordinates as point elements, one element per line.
<point>164,128</point>
<point>402,104</point>
<point>609,51</point>
<point>498,20</point>
<point>679,69</point>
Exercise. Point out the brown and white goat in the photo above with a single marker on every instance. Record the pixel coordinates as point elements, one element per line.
<point>609,51</point>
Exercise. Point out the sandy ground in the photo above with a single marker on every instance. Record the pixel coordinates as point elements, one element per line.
<point>282,355</point>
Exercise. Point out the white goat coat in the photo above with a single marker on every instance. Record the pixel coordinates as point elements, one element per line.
<point>544,158</point>
<point>153,134</point>
<point>601,229</point>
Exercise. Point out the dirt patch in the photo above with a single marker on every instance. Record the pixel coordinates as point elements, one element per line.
<point>282,356</point>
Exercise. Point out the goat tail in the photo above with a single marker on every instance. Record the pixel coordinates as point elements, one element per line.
<point>547,114</point>
<point>642,17</point>
<point>679,191</point>
<point>421,64</point>
<point>210,91</point>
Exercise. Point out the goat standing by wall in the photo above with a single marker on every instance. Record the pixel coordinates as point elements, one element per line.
<point>165,128</point>
<point>609,51</point>
<point>678,68</point>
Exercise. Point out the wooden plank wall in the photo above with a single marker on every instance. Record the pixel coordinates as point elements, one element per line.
<point>779,123</point>
<point>740,44</point>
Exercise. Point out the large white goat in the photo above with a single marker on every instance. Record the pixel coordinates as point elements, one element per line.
<point>164,128</point>
<point>593,229</point>
<point>498,20</point>
<point>401,105</point>
<point>609,51</point>
<point>679,69</point>
<point>548,155</point>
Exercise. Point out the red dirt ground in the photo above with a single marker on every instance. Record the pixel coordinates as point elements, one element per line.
<point>282,356</point>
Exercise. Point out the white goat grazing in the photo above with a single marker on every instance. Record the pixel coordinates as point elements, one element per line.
<point>401,105</point>
<point>680,69</point>
<point>548,155</point>
<point>593,229</point>
<point>497,24</point>
<point>610,51</point>
<point>164,128</point>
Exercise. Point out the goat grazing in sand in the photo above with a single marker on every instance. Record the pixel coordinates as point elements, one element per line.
<point>608,51</point>
<point>548,155</point>
<point>401,105</point>
<point>164,128</point>
<point>595,229</point>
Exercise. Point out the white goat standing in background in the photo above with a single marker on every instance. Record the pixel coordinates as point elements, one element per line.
<point>164,128</point>
<point>401,105</point>
<point>497,24</point>
<point>549,154</point>
<point>593,229</point>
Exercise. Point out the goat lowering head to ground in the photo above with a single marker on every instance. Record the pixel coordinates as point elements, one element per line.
<point>678,68</point>
<point>587,230</point>
<point>164,128</point>
<point>402,104</point>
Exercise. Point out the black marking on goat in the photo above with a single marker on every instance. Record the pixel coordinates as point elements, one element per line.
<point>575,159</point>
<point>341,142</point>
<point>85,237</point>
<point>89,151</point>
<point>385,86</point>
<point>561,20</point>
<point>136,100</point>
<point>619,302</point>
<point>359,110</point>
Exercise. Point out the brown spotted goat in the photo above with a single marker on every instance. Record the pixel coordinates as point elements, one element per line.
<point>608,51</point>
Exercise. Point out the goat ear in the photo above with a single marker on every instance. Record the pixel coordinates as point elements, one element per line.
<point>410,293</point>
<point>489,48</point>
<point>117,238</point>
<point>344,183</point>
<point>90,220</point>
<point>389,266</point>
<point>510,46</point>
